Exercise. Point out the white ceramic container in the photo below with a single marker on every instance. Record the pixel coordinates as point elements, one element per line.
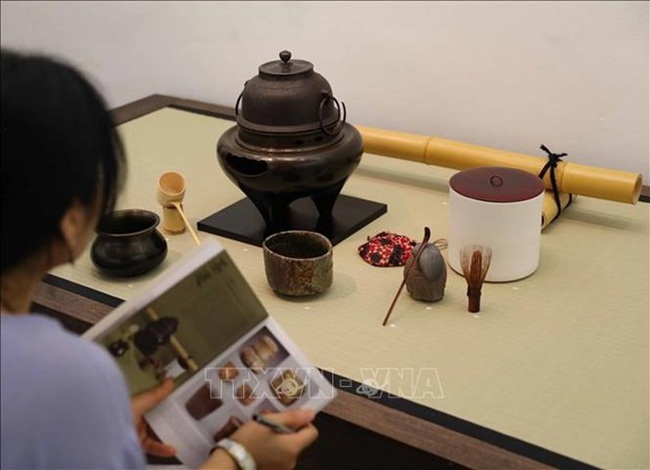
<point>500,208</point>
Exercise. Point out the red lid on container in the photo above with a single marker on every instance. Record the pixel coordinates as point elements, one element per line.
<point>497,184</point>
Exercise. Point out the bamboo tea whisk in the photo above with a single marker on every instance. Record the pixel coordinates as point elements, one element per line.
<point>475,262</point>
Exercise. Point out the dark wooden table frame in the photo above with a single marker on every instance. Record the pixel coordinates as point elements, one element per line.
<point>397,419</point>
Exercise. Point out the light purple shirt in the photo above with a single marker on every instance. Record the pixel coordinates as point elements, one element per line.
<point>65,404</point>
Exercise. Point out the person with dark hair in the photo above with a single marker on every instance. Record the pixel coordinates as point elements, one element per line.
<point>64,402</point>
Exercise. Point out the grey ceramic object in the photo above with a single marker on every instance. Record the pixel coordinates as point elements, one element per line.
<point>427,280</point>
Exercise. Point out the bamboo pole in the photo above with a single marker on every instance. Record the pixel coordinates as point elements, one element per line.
<point>572,178</point>
<point>549,206</point>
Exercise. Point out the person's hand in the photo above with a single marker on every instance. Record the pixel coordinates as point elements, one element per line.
<point>271,450</point>
<point>140,404</point>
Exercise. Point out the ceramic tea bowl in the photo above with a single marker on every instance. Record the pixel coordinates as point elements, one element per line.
<point>128,243</point>
<point>298,262</point>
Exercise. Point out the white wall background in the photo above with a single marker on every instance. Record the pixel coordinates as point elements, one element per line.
<point>511,75</point>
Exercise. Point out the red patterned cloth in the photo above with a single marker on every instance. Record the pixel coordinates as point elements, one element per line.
<point>387,249</point>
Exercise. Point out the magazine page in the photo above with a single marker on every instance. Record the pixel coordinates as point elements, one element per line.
<point>264,372</point>
<point>201,324</point>
<point>181,322</point>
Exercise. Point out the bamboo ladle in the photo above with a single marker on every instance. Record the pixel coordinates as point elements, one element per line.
<point>171,190</point>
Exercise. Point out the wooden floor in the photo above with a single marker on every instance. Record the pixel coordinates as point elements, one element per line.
<point>342,445</point>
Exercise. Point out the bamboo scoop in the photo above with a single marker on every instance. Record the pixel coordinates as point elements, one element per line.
<point>171,190</point>
<point>475,262</point>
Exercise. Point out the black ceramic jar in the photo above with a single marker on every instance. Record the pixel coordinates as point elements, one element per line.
<point>291,141</point>
<point>128,243</point>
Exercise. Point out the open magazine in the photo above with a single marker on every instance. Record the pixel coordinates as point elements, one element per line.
<point>201,324</point>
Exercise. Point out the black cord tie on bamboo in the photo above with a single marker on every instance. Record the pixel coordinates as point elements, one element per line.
<point>551,164</point>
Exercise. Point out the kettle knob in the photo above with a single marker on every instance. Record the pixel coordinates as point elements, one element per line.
<point>285,56</point>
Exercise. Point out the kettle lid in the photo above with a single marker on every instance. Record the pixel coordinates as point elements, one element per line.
<point>285,67</point>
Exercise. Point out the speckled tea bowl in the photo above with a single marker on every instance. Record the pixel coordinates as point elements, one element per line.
<point>298,262</point>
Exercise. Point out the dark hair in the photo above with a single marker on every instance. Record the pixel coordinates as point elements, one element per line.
<point>59,144</point>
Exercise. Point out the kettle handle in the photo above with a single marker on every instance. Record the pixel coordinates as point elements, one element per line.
<point>340,121</point>
<point>237,103</point>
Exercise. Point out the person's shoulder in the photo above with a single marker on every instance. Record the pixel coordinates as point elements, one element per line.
<point>64,400</point>
<point>40,343</point>
<point>39,357</point>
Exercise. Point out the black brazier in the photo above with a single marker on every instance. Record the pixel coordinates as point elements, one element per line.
<point>291,141</point>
